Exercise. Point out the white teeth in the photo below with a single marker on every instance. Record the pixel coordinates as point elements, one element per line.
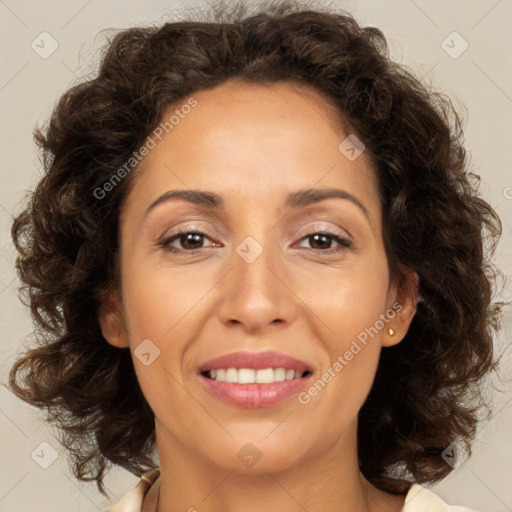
<point>246,376</point>
<point>265,376</point>
<point>231,375</point>
<point>279,374</point>
<point>251,376</point>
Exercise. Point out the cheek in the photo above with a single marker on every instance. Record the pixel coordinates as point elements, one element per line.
<point>156,308</point>
<point>348,301</point>
<point>349,311</point>
<point>156,301</point>
<point>158,341</point>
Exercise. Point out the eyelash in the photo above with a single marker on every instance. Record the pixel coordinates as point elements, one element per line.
<point>345,243</point>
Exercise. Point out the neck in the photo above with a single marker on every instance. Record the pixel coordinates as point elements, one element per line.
<point>191,482</point>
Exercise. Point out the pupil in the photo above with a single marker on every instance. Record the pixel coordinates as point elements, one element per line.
<point>188,239</point>
<point>316,237</point>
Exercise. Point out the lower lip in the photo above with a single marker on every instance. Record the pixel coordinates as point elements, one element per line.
<point>255,396</point>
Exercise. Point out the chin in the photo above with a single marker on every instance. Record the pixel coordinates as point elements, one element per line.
<point>256,455</point>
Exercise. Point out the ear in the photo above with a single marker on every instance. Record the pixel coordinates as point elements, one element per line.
<point>403,298</point>
<point>111,320</point>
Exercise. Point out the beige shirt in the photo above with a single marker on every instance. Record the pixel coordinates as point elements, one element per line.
<point>418,499</point>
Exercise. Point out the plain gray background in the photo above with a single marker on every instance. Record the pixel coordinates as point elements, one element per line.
<point>479,77</point>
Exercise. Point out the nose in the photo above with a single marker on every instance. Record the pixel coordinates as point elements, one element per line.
<point>256,296</point>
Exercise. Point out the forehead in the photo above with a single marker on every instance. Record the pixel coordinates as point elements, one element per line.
<point>247,141</point>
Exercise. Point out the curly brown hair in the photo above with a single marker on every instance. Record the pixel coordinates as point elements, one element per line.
<point>428,389</point>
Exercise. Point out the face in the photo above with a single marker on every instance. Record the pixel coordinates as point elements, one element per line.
<point>290,279</point>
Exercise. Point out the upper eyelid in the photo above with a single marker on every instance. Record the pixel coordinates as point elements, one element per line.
<point>311,210</point>
<point>193,224</point>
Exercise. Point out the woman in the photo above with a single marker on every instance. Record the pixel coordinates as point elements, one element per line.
<point>257,250</point>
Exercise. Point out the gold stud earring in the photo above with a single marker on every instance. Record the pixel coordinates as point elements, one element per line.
<point>391,331</point>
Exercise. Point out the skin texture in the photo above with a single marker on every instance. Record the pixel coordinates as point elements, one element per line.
<point>253,145</point>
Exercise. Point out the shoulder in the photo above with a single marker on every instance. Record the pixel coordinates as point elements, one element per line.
<point>132,501</point>
<point>421,499</point>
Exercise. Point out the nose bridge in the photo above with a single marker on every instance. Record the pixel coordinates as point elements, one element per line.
<point>254,294</point>
<point>256,267</point>
<point>257,256</point>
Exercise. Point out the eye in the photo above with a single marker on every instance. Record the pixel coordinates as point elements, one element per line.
<point>189,239</point>
<point>321,241</point>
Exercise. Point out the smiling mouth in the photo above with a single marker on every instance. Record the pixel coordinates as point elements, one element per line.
<point>252,376</point>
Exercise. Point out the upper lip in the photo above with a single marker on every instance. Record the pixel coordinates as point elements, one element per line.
<point>256,361</point>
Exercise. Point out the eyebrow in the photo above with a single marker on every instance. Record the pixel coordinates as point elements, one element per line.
<point>299,199</point>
